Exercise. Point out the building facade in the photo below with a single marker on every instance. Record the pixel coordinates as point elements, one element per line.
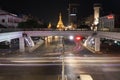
<point>73,14</point>
<point>9,20</point>
<point>109,22</point>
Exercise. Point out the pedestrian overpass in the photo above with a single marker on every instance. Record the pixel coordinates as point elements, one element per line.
<point>89,34</point>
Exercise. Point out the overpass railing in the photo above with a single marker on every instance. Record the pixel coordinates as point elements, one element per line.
<point>46,29</point>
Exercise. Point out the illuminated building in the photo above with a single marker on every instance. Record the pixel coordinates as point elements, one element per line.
<point>96,13</point>
<point>97,8</point>
<point>109,22</point>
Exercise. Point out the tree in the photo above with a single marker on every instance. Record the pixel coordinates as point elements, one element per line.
<point>29,24</point>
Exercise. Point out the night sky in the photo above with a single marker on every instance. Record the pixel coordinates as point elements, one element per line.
<point>48,10</point>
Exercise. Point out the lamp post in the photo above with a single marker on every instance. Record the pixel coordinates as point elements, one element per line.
<point>63,62</point>
<point>63,65</point>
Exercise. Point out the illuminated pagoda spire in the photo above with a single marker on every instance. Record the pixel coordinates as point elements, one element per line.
<point>49,26</point>
<point>60,24</point>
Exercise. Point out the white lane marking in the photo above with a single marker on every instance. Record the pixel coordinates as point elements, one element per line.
<point>86,58</point>
<point>111,69</point>
<point>28,64</point>
<point>67,61</point>
<point>44,64</point>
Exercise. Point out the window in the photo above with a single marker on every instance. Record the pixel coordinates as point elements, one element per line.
<point>3,20</point>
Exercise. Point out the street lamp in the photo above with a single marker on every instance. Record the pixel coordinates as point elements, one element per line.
<point>71,37</point>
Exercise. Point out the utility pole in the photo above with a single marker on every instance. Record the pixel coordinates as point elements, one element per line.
<point>63,62</point>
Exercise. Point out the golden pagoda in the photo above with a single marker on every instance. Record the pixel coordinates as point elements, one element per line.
<point>60,25</point>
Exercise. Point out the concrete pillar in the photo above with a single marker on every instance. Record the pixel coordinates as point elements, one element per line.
<point>97,44</point>
<point>21,44</point>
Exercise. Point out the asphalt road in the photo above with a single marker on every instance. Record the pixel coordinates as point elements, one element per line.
<point>45,63</point>
<point>97,68</point>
